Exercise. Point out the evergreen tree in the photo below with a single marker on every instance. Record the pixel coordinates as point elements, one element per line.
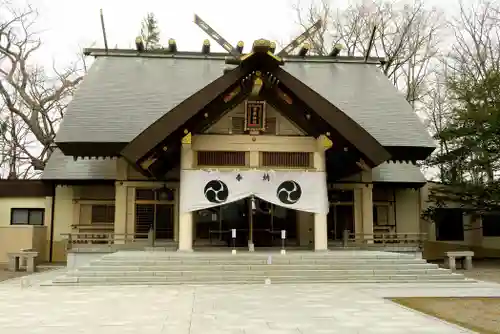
<point>473,135</point>
<point>150,32</point>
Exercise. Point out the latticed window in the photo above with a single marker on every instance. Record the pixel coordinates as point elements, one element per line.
<point>103,214</point>
<point>221,158</point>
<point>144,219</point>
<point>286,159</point>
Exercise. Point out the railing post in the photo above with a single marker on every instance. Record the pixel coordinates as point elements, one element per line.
<point>283,238</point>
<point>69,242</point>
<point>151,237</point>
<point>345,238</point>
<point>233,236</point>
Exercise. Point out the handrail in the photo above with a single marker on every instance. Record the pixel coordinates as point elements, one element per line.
<point>385,239</point>
<point>102,238</point>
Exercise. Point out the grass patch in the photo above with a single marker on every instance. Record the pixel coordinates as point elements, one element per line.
<point>480,314</point>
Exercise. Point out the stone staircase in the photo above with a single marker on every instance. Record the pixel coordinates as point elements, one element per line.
<point>342,266</point>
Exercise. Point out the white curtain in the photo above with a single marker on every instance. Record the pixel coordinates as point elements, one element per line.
<point>304,191</point>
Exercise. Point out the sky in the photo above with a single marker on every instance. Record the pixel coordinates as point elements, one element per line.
<point>68,25</point>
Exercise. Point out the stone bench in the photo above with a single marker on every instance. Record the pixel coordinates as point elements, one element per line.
<point>465,256</point>
<point>28,257</point>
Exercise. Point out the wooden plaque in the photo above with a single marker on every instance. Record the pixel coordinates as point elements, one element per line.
<point>255,115</point>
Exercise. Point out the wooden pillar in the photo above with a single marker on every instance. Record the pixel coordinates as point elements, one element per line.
<point>120,227</point>
<point>367,211</point>
<point>320,219</point>
<point>185,218</point>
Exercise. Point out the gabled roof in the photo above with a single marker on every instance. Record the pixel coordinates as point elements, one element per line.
<point>121,96</point>
<point>153,149</point>
<point>365,94</point>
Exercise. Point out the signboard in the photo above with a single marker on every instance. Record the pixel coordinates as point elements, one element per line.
<point>255,115</point>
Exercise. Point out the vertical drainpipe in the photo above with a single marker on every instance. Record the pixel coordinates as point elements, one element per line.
<point>51,246</point>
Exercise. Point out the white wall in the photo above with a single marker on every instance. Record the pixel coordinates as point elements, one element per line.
<point>407,211</point>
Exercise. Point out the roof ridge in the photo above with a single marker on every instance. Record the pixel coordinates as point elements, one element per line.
<point>165,53</point>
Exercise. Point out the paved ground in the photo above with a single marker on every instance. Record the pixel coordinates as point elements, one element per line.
<point>228,309</point>
<point>5,274</point>
<point>276,309</point>
<point>484,270</point>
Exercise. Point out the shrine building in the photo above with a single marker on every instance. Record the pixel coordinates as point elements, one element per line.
<point>177,149</point>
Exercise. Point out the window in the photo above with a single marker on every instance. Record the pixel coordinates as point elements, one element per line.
<point>26,216</point>
<point>449,224</point>
<point>103,214</point>
<point>491,226</point>
<point>381,215</point>
<point>286,159</point>
<point>221,158</point>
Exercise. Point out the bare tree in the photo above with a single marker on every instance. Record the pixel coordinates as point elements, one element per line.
<point>14,138</point>
<point>437,111</point>
<point>476,49</point>
<point>33,97</point>
<point>407,36</point>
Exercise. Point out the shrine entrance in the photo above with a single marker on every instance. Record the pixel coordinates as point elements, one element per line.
<point>256,222</point>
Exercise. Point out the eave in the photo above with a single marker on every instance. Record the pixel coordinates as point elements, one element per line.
<point>91,149</point>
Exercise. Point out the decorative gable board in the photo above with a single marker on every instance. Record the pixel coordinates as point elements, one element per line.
<point>233,122</point>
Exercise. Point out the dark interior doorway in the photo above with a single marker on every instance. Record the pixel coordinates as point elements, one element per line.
<point>261,223</point>
<point>340,217</point>
<point>160,217</point>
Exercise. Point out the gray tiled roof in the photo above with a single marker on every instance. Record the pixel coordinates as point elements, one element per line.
<point>398,172</point>
<point>365,94</point>
<point>122,96</point>
<point>62,167</point>
<point>394,172</point>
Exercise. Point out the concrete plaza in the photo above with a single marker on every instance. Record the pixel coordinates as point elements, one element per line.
<point>27,307</point>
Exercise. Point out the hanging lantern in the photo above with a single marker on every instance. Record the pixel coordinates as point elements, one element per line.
<point>165,194</point>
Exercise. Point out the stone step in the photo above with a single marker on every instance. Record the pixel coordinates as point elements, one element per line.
<point>154,268</point>
<point>254,279</point>
<point>225,283</point>
<point>261,257</point>
<point>234,267</point>
<point>155,262</point>
<point>279,272</point>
